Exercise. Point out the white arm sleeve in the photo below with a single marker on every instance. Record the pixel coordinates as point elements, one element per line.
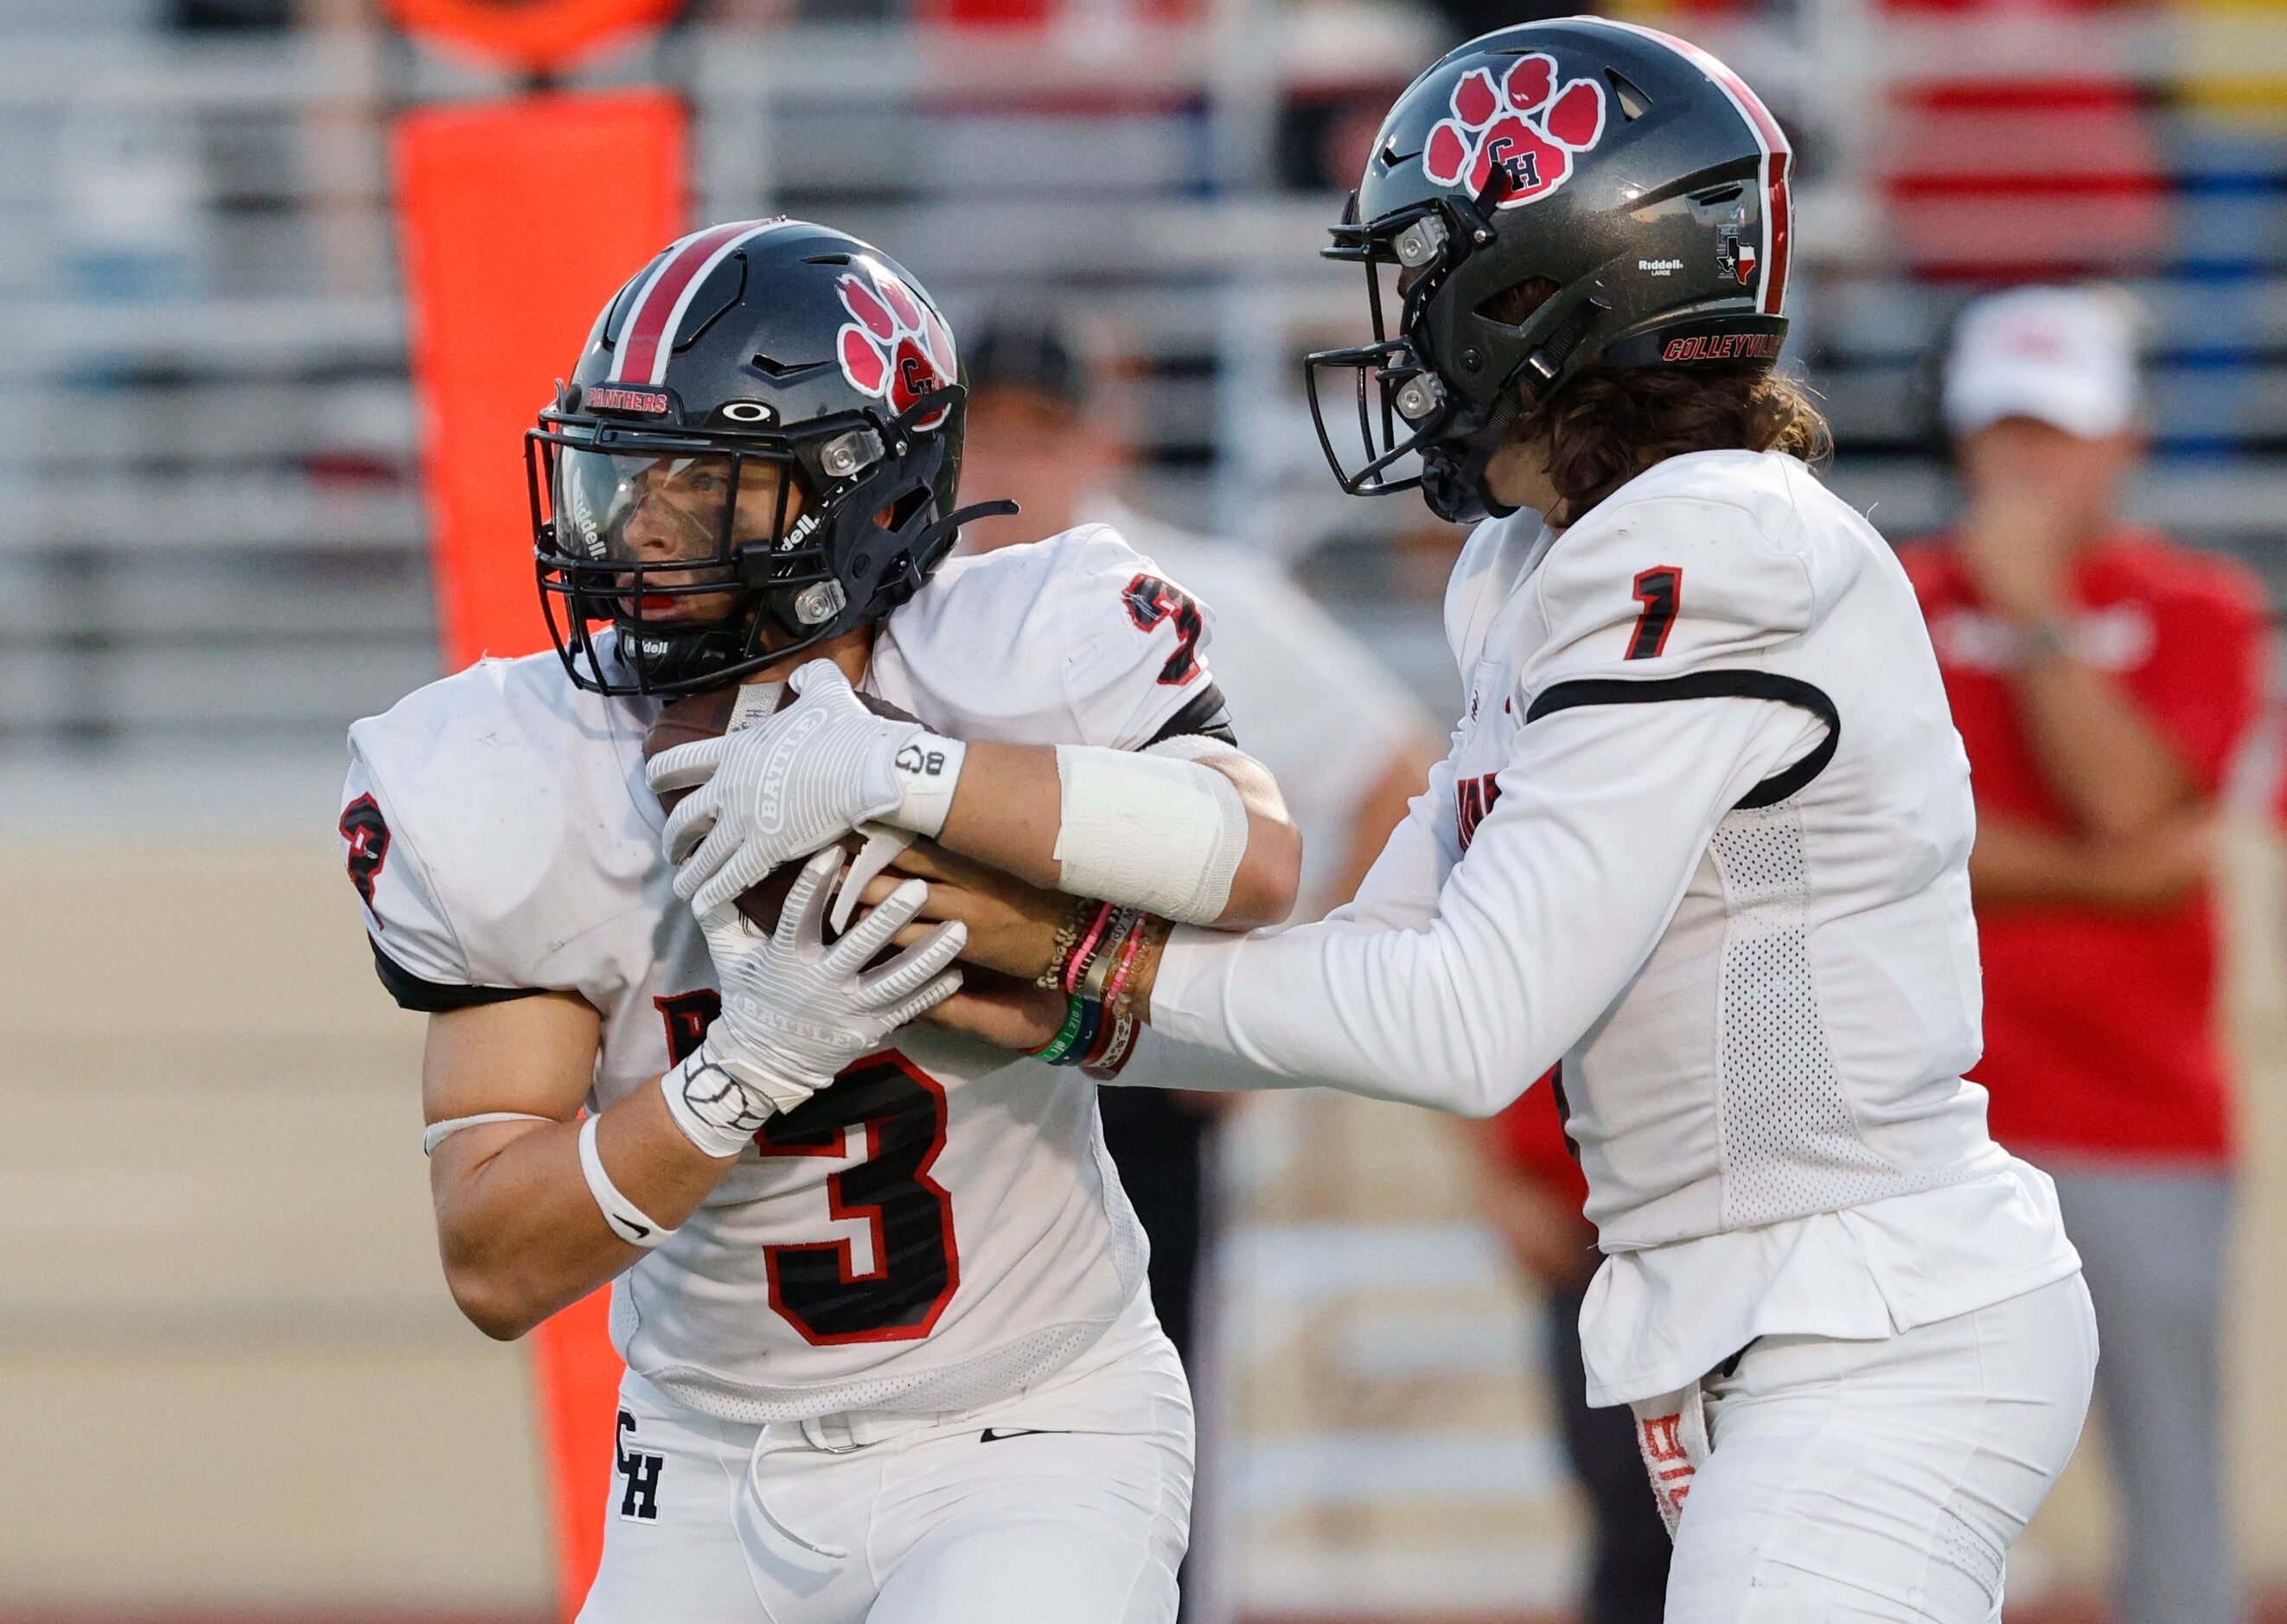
<point>1604,813</point>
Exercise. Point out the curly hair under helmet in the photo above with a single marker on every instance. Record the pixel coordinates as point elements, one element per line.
<point>1604,425</point>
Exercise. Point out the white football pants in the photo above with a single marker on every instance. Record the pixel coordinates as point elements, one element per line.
<point>1851,1481</point>
<point>1070,1502</point>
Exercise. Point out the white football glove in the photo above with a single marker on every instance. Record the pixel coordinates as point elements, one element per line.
<point>795,1011</point>
<point>795,782</point>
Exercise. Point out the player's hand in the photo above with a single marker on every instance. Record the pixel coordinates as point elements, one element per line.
<point>2016,540</point>
<point>797,781</point>
<point>1000,1010</point>
<point>795,1011</point>
<point>1011,926</point>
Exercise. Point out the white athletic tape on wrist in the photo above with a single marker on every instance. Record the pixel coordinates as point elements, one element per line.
<point>928,768</point>
<point>629,1221</point>
<point>1146,831</point>
<point>1193,747</point>
<point>715,1111</point>
<point>438,1132</point>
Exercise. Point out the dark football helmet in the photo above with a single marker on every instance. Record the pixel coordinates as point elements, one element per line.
<point>1629,169</point>
<point>758,451</point>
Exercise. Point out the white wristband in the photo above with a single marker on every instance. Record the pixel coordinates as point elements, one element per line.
<point>1144,831</point>
<point>628,1221</point>
<point>715,1111</point>
<point>928,768</point>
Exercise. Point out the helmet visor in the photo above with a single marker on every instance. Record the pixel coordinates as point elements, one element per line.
<point>655,534</point>
<point>675,544</point>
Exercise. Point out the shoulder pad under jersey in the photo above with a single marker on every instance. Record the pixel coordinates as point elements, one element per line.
<point>1706,562</point>
<point>489,824</point>
<point>1076,639</point>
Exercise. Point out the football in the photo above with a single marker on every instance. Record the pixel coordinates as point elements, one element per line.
<point>709,716</point>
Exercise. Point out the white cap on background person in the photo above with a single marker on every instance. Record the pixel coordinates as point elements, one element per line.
<point>2066,356</point>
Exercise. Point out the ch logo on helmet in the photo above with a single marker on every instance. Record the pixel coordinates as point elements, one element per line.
<point>895,348</point>
<point>1734,256</point>
<point>1518,135</point>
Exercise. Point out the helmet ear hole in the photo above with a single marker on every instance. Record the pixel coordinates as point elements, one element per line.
<point>1517,304</point>
<point>904,510</point>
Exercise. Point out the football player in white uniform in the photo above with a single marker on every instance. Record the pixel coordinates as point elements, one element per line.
<point>1700,847</point>
<point>880,1295</point>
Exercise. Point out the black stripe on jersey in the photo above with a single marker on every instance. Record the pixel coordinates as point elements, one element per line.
<point>1207,712</point>
<point>435,997</point>
<point>1713,685</point>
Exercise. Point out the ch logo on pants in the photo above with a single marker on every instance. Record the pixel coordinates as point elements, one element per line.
<point>640,1501</point>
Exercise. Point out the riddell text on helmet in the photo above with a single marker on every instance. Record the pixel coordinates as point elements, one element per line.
<point>1725,347</point>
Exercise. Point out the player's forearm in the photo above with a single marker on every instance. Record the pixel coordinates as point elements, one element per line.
<point>1010,809</point>
<point>1007,810</point>
<point>2015,865</point>
<point>1409,1016</point>
<point>2110,767</point>
<point>521,1232</point>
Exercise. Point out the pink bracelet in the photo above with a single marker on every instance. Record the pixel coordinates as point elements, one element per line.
<point>1077,965</point>
<point>1121,971</point>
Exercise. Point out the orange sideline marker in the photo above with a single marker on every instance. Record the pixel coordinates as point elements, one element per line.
<point>481,187</point>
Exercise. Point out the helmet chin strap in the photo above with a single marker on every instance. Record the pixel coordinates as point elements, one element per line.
<point>946,531</point>
<point>1458,494</point>
<point>687,653</point>
<point>1457,491</point>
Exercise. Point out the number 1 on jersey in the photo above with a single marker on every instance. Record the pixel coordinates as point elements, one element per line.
<point>1656,589</point>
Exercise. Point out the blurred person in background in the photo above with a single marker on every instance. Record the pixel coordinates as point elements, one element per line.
<point>1347,743</point>
<point>1530,1189</point>
<point>2103,677</point>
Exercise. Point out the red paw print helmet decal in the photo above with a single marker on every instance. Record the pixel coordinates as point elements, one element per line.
<point>1517,134</point>
<point>895,348</point>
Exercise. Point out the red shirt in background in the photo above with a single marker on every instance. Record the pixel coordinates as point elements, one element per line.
<point>2101,1026</point>
<point>1530,1137</point>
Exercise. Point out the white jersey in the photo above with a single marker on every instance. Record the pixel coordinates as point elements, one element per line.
<point>1323,712</point>
<point>1717,825</point>
<point>938,1229</point>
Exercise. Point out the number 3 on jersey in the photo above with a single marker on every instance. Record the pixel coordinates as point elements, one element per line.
<point>899,1113</point>
<point>1151,600</point>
